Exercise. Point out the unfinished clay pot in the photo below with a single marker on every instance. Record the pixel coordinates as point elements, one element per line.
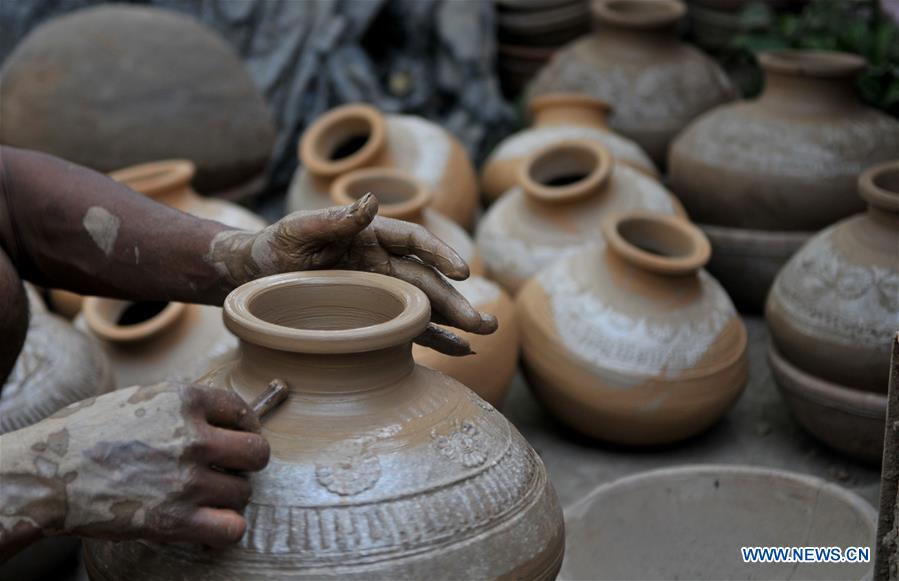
<point>357,136</point>
<point>563,191</point>
<point>557,118</point>
<point>380,469</point>
<point>152,341</point>
<point>111,86</point>
<point>403,197</point>
<point>763,175</point>
<point>833,310</point>
<point>630,341</point>
<point>655,83</point>
<point>697,518</point>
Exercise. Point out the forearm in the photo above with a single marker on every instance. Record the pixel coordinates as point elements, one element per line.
<point>66,226</point>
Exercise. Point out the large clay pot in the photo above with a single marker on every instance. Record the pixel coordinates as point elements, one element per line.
<point>761,176</point>
<point>380,469</point>
<point>630,341</point>
<point>112,86</point>
<point>655,83</point>
<point>563,191</point>
<point>832,311</point>
<point>402,197</point>
<point>355,136</point>
<point>557,118</point>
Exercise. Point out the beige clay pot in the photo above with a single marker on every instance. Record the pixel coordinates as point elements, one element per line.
<point>630,341</point>
<point>655,83</point>
<point>563,191</point>
<point>356,136</point>
<point>833,310</point>
<point>557,118</point>
<point>761,176</point>
<point>380,469</point>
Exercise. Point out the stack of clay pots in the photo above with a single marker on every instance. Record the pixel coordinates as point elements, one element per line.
<point>530,31</point>
<point>832,311</point>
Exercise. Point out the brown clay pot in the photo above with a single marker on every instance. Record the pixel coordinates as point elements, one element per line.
<point>356,136</point>
<point>630,341</point>
<point>563,191</point>
<point>557,118</point>
<point>380,469</point>
<point>832,312</point>
<point>109,104</point>
<point>655,83</point>
<point>761,176</point>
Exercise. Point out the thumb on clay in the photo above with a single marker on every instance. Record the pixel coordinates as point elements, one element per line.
<point>347,221</point>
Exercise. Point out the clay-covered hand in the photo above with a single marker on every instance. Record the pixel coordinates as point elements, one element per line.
<point>162,462</point>
<point>354,237</point>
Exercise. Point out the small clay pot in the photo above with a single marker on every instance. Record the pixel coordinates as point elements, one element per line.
<point>655,83</point>
<point>630,341</point>
<point>380,468</point>
<point>765,174</point>
<point>563,191</point>
<point>356,136</point>
<point>557,118</point>
<point>697,518</point>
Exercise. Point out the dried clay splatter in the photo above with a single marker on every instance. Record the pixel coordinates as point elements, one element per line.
<point>103,228</point>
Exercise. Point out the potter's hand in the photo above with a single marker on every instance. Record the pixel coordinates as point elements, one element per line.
<point>151,462</point>
<point>353,237</point>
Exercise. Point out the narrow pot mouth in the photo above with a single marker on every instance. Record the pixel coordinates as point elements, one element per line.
<point>157,177</point>
<point>812,63</point>
<point>567,171</point>
<point>659,243</point>
<point>327,312</point>
<point>564,100</point>
<point>399,194</point>
<point>343,139</point>
<point>639,14</point>
<point>122,321</point>
<point>879,186</point>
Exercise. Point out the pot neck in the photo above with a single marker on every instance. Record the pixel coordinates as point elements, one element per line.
<point>346,138</point>
<point>570,109</point>
<point>810,82</point>
<point>879,187</point>
<point>565,173</point>
<point>167,182</point>
<point>400,195</point>
<point>642,21</point>
<point>655,243</point>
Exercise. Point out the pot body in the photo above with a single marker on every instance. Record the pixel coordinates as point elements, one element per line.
<point>629,356</point>
<point>457,239</point>
<point>59,80</point>
<point>518,236</point>
<point>419,147</point>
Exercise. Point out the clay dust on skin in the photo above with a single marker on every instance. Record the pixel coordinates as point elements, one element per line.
<point>103,228</point>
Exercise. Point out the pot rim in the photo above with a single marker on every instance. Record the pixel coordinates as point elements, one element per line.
<point>876,195</point>
<point>402,328</point>
<point>96,309</point>
<point>420,198</point>
<point>156,177</point>
<point>698,253</point>
<point>563,99</point>
<point>812,63</point>
<point>590,184</point>
<point>639,14</point>
<point>311,143</point>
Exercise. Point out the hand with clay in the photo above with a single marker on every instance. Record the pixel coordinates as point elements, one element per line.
<point>163,462</point>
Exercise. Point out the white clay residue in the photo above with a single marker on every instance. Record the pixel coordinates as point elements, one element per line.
<point>103,228</point>
<point>419,147</point>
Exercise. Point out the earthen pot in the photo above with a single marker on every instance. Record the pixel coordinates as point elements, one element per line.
<point>152,341</point>
<point>697,518</point>
<point>761,176</point>
<point>832,312</point>
<point>655,83</point>
<point>380,469</point>
<point>355,136</point>
<point>557,118</point>
<point>630,341</point>
<point>111,86</point>
<point>563,191</point>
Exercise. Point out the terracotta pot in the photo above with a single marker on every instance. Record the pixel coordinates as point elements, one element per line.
<point>557,118</point>
<point>781,166</point>
<point>833,310</point>
<point>563,191</point>
<point>630,341</point>
<point>403,197</point>
<point>356,136</point>
<point>381,469</point>
<point>655,83</point>
<point>697,518</point>
<point>152,341</point>
<point>110,104</point>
